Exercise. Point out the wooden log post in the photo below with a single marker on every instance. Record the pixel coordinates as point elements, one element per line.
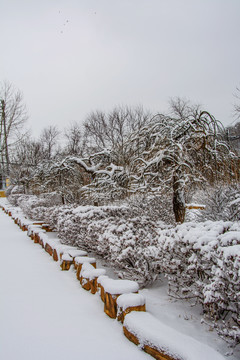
<point>80,260</point>
<point>36,238</point>
<point>127,303</point>
<point>55,255</point>
<point>66,262</point>
<point>24,227</point>
<point>41,242</point>
<point>48,249</point>
<point>85,283</point>
<point>113,289</point>
<point>110,305</point>
<point>46,227</point>
<point>74,253</point>
<point>100,287</point>
<point>89,276</point>
<point>60,249</point>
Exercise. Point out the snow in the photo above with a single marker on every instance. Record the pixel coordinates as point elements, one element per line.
<point>90,273</point>
<point>66,257</point>
<point>84,259</point>
<point>116,287</point>
<point>35,228</point>
<point>233,251</point>
<point>52,240</point>
<point>229,238</point>
<point>130,300</point>
<point>152,332</point>
<point>101,279</point>
<point>56,245</point>
<point>76,252</point>
<point>45,314</point>
<point>195,205</point>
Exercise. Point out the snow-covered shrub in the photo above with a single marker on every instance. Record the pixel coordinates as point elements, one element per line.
<point>200,260</point>
<point>9,190</point>
<point>155,207</point>
<point>224,289</point>
<point>222,203</point>
<point>31,206</point>
<point>128,243</point>
<point>202,263</point>
<point>57,215</point>
<point>36,207</point>
<point>15,199</point>
<point>13,193</point>
<point>16,189</point>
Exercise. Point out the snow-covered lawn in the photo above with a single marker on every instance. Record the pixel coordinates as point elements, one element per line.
<point>46,314</point>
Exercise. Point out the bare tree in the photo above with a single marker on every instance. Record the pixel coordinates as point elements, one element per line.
<point>49,139</point>
<point>27,155</point>
<point>13,117</point>
<point>75,140</point>
<point>110,131</point>
<point>237,104</point>
<point>233,136</point>
<point>181,108</point>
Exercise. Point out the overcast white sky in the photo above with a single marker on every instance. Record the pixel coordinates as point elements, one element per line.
<point>70,57</point>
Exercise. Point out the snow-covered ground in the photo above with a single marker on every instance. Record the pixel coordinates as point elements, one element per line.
<point>45,314</point>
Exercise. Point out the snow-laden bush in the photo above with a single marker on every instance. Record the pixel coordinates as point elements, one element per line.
<point>13,193</point>
<point>154,206</point>
<point>56,215</point>
<point>14,189</point>
<point>13,199</point>
<point>35,207</point>
<point>128,243</point>
<point>222,203</point>
<point>202,263</point>
<point>201,260</point>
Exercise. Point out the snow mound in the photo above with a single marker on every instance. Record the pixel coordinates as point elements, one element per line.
<point>90,273</point>
<point>130,300</point>
<point>116,287</point>
<point>84,259</point>
<point>154,333</point>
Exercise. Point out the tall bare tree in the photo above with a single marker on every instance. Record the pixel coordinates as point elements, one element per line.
<point>75,140</point>
<point>13,117</point>
<point>237,103</point>
<point>111,130</point>
<point>49,139</point>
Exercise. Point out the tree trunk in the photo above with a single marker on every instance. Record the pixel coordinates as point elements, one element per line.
<point>178,200</point>
<point>3,105</point>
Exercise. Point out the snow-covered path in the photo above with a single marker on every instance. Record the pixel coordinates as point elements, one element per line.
<point>45,314</point>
